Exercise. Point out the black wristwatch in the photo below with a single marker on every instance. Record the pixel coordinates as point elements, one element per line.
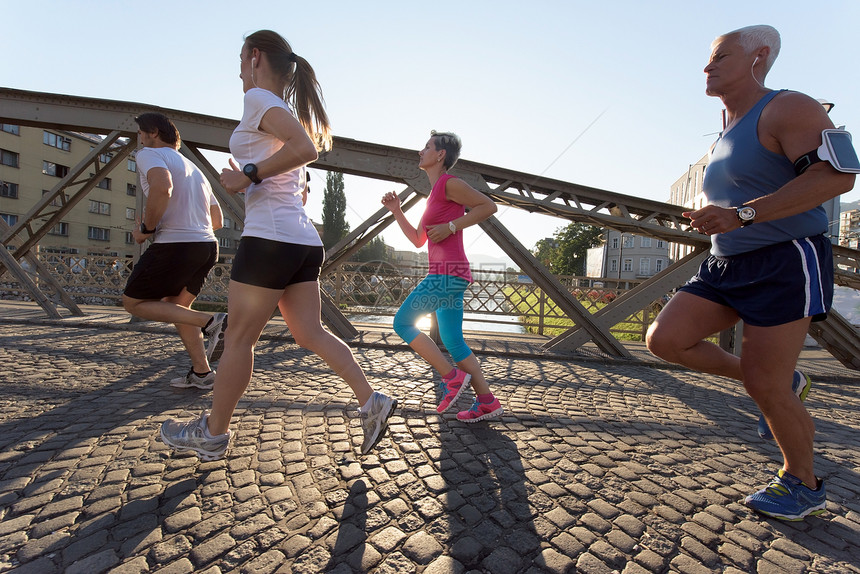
<point>144,230</point>
<point>746,215</point>
<point>250,171</point>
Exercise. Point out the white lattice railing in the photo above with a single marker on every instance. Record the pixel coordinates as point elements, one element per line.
<point>365,291</point>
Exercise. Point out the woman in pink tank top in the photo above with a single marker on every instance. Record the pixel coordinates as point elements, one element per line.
<point>441,292</point>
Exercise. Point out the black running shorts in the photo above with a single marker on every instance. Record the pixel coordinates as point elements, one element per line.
<point>274,264</point>
<point>165,269</point>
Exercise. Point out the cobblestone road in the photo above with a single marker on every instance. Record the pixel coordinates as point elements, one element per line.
<point>595,468</point>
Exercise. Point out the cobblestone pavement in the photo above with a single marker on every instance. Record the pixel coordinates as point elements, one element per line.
<point>595,468</point>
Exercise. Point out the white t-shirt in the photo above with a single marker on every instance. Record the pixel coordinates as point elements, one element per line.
<point>273,208</point>
<point>187,218</point>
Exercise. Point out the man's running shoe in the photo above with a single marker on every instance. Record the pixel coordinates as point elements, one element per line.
<point>787,498</point>
<point>193,435</point>
<point>374,419</point>
<point>215,334</point>
<point>480,411</point>
<point>800,385</point>
<point>451,389</point>
<point>192,379</point>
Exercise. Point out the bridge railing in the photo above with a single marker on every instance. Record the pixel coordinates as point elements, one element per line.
<point>497,300</point>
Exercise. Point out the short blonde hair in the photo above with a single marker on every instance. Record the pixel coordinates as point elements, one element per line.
<point>751,38</point>
<point>450,142</point>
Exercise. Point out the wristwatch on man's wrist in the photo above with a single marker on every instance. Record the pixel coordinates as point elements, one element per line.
<point>746,215</point>
<point>452,227</point>
<point>250,171</point>
<point>144,230</point>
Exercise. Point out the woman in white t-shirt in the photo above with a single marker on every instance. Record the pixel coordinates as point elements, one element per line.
<point>280,255</point>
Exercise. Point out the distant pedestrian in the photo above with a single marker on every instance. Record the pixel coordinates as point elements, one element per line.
<point>180,218</point>
<point>770,264</point>
<point>279,257</point>
<point>441,292</point>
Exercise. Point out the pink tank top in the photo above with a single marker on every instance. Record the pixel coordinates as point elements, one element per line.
<point>448,257</point>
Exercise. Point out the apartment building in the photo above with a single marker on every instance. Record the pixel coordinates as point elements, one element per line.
<point>34,160</point>
<point>627,256</point>
<point>849,229</point>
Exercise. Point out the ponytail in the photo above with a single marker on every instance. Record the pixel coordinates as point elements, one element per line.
<point>305,93</point>
<point>301,88</point>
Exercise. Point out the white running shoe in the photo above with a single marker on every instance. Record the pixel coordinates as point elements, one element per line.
<point>192,379</point>
<point>215,334</point>
<point>191,435</point>
<point>374,419</point>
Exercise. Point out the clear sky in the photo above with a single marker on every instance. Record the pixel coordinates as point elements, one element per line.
<point>606,94</point>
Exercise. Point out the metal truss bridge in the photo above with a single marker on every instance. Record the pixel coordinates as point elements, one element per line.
<point>572,202</point>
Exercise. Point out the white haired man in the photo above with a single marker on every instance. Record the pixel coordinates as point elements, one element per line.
<point>770,263</point>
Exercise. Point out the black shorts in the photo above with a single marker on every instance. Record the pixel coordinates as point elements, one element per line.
<point>165,269</point>
<point>274,264</point>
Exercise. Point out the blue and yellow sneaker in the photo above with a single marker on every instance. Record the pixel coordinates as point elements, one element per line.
<point>787,498</point>
<point>800,384</point>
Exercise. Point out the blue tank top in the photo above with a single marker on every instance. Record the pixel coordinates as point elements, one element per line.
<point>740,169</point>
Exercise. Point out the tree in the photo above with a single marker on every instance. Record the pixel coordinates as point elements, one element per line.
<point>334,222</point>
<point>544,251</point>
<point>566,251</point>
<point>573,244</point>
<point>375,250</point>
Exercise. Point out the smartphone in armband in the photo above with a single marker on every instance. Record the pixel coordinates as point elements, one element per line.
<point>836,148</point>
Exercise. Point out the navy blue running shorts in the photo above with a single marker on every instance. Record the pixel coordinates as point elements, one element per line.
<point>773,285</point>
<point>165,269</point>
<point>275,264</point>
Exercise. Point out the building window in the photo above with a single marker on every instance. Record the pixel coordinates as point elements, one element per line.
<point>130,213</point>
<point>613,265</point>
<point>105,157</point>
<point>614,243</point>
<point>9,218</point>
<point>132,165</point>
<point>129,238</point>
<point>57,201</point>
<point>629,241</point>
<point>105,183</point>
<point>11,129</point>
<point>658,265</point>
<point>224,242</point>
<point>628,265</point>
<point>645,267</point>
<point>55,169</point>
<point>661,244</point>
<point>228,223</point>
<point>62,228</point>
<point>646,242</point>
<point>99,207</point>
<point>98,233</point>
<point>131,189</point>
<point>8,189</point>
<point>59,142</point>
<point>9,158</point>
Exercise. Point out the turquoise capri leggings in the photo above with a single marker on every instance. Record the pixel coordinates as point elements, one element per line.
<point>444,295</point>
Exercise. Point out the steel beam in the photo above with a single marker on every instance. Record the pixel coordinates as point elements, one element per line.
<point>42,272</point>
<point>44,216</point>
<point>553,287</point>
<point>632,301</point>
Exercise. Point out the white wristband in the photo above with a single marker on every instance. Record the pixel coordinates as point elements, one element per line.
<point>452,227</point>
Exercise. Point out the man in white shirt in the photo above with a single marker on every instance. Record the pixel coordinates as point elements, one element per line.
<point>180,219</point>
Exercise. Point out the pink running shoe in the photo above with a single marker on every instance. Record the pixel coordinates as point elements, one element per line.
<point>481,411</point>
<point>451,389</point>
